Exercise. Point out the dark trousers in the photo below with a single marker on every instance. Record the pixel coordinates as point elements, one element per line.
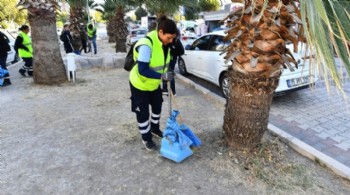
<point>83,46</point>
<point>27,66</point>
<point>140,102</point>
<point>3,61</point>
<point>3,66</point>
<point>93,41</point>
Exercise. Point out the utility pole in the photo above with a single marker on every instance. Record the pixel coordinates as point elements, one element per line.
<point>87,10</point>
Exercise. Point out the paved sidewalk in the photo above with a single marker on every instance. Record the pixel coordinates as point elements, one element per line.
<point>319,118</point>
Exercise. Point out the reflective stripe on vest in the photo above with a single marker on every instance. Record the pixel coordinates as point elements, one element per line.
<point>157,63</point>
<point>27,43</point>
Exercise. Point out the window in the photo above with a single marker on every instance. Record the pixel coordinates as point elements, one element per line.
<point>218,43</point>
<point>202,43</point>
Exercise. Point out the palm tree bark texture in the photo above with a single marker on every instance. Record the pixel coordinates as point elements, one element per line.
<point>121,30</point>
<point>76,19</point>
<point>258,34</point>
<point>48,65</point>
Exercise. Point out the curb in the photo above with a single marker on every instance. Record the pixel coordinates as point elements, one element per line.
<point>293,142</point>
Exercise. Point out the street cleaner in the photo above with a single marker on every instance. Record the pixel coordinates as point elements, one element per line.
<point>152,57</point>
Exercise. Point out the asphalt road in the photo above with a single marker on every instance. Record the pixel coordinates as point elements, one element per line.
<point>213,88</point>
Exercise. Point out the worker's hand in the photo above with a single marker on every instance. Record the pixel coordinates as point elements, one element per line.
<point>168,76</point>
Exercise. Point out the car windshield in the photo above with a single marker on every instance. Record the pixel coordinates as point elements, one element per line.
<point>138,32</point>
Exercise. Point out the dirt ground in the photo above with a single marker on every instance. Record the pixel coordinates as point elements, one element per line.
<point>82,138</point>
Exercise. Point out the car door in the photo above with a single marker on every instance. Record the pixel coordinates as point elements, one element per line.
<point>197,55</point>
<point>215,63</point>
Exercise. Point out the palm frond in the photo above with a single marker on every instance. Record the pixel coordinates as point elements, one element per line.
<point>326,25</point>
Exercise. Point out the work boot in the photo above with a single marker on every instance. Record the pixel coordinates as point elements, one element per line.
<point>22,72</point>
<point>157,133</point>
<point>150,145</point>
<point>6,82</point>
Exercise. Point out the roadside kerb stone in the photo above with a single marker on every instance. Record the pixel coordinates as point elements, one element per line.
<point>311,152</point>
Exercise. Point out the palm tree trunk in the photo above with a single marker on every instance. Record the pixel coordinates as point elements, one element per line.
<point>111,29</point>
<point>121,30</point>
<point>47,60</point>
<point>258,53</point>
<point>76,19</point>
<point>247,109</point>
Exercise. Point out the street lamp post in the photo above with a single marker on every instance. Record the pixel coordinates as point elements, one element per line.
<point>87,10</point>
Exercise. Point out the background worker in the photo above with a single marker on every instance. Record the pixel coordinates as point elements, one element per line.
<point>91,31</point>
<point>83,37</point>
<point>23,46</point>
<point>152,58</point>
<point>66,38</point>
<point>4,48</point>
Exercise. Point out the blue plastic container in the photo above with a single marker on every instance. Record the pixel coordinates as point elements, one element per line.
<point>172,151</point>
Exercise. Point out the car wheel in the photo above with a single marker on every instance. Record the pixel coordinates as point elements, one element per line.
<point>182,66</point>
<point>225,85</point>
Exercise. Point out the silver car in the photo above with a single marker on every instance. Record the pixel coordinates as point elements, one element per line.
<point>133,36</point>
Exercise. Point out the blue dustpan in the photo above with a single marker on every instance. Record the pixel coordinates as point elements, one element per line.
<point>188,132</point>
<point>175,144</point>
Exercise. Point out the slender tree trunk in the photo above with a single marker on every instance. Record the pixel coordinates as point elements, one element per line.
<point>121,30</point>
<point>111,30</point>
<point>247,110</point>
<point>48,65</point>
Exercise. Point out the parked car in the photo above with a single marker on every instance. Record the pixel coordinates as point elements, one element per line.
<point>202,59</point>
<point>133,36</point>
<point>188,38</point>
<point>12,56</point>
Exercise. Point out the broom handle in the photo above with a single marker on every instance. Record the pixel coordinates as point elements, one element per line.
<point>170,92</point>
<point>172,99</point>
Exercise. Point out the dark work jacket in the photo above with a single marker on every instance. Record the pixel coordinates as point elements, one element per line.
<point>66,38</point>
<point>4,45</point>
<point>176,48</point>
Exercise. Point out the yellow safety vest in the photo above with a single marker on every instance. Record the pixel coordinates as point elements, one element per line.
<point>157,63</point>
<point>27,43</point>
<point>90,32</point>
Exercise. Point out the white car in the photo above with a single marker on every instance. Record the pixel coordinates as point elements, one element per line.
<point>188,38</point>
<point>202,59</point>
<point>12,57</point>
<point>133,36</point>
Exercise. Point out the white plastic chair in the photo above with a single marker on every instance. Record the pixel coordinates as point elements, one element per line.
<point>71,67</point>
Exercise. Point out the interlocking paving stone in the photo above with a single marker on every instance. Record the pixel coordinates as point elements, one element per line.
<point>343,145</point>
<point>338,138</point>
<point>323,135</point>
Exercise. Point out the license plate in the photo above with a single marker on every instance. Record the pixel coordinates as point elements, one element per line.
<point>298,81</point>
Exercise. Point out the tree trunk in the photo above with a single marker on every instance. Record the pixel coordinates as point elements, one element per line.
<point>76,19</point>
<point>111,29</point>
<point>48,67</point>
<point>121,30</point>
<point>247,110</point>
<point>120,45</point>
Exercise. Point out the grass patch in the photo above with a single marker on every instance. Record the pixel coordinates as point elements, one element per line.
<point>268,163</point>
